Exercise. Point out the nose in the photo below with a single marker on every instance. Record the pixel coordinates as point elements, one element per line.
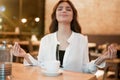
<point>64,10</point>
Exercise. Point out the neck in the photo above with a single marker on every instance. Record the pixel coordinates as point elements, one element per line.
<point>64,29</point>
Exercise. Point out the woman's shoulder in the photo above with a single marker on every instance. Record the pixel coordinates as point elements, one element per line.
<point>79,35</point>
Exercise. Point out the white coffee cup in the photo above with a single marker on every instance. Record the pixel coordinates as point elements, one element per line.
<point>51,66</point>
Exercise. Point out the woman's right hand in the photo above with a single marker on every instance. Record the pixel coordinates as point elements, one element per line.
<point>17,50</point>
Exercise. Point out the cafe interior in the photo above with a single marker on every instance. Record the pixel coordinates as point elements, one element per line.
<point>27,21</point>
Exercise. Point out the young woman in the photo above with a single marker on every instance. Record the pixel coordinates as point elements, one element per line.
<point>65,37</point>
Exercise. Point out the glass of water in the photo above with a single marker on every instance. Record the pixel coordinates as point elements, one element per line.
<point>5,63</point>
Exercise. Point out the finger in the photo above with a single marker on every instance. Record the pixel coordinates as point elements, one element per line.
<point>112,51</point>
<point>16,49</point>
<point>109,51</point>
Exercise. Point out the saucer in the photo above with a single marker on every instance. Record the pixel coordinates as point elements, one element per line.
<point>52,73</point>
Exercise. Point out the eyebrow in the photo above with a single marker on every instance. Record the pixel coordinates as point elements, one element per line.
<point>62,7</point>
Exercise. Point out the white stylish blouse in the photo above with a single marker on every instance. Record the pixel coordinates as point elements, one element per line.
<point>76,56</point>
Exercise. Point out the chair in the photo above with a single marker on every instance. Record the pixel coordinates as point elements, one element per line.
<point>115,65</point>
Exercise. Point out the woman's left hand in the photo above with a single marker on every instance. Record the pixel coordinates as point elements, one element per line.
<point>111,52</point>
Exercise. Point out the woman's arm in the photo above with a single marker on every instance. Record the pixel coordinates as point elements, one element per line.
<point>91,67</point>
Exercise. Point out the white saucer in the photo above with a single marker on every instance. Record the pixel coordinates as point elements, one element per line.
<point>52,73</point>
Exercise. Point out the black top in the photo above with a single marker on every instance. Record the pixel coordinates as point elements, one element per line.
<point>61,56</point>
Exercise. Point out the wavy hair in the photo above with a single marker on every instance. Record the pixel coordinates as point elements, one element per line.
<point>74,23</point>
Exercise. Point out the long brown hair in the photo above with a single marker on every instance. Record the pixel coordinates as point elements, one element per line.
<point>74,24</point>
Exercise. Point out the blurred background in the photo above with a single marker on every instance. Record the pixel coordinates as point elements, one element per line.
<point>27,21</point>
<point>27,15</point>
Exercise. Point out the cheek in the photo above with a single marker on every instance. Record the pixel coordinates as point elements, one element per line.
<point>71,18</point>
<point>57,16</point>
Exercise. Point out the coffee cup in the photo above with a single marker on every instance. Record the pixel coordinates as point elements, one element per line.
<point>51,66</point>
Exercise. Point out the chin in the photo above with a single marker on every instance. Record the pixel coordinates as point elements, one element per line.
<point>64,21</point>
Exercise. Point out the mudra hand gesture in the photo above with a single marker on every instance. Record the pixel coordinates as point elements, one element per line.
<point>109,53</point>
<point>17,50</point>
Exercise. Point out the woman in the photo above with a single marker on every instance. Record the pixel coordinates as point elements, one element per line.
<point>72,45</point>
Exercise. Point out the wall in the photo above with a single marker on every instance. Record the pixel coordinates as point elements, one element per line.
<point>94,16</point>
<point>17,9</point>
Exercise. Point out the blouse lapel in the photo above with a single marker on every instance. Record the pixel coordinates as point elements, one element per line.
<point>67,51</point>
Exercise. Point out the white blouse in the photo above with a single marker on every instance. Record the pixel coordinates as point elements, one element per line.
<point>76,56</point>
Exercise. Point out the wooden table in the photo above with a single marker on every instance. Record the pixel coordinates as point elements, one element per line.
<point>21,72</point>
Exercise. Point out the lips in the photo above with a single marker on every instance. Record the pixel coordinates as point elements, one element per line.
<point>64,15</point>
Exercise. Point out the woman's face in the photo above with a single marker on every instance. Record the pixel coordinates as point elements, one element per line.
<point>64,13</point>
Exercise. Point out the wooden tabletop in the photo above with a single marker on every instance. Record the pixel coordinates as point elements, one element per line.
<point>21,72</point>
